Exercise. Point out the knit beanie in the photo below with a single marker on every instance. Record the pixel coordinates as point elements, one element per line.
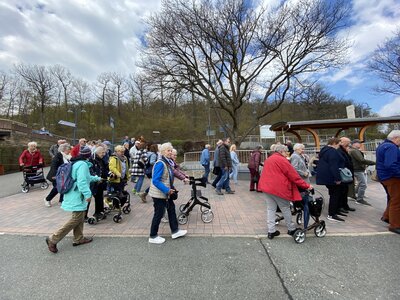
<point>85,152</point>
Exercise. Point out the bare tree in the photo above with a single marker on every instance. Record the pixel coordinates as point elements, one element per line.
<point>102,88</point>
<point>40,80</point>
<point>138,87</point>
<point>81,92</point>
<point>121,88</point>
<point>64,77</point>
<point>230,52</point>
<point>385,62</point>
<point>4,81</point>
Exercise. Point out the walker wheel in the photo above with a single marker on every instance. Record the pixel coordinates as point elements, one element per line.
<point>44,185</point>
<point>182,219</point>
<point>182,207</point>
<point>91,221</point>
<point>25,187</point>
<point>107,210</point>
<point>117,218</point>
<point>207,216</point>
<point>203,208</point>
<point>320,230</point>
<point>299,236</point>
<point>126,210</point>
<point>299,218</point>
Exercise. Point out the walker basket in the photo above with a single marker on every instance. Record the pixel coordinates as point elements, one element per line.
<point>315,206</point>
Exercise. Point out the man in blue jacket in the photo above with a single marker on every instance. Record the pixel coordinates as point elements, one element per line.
<point>205,161</point>
<point>76,200</point>
<point>388,171</point>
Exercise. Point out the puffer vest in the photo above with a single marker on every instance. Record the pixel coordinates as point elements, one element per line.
<point>154,191</point>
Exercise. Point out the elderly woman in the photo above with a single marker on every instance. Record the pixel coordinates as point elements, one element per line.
<point>63,156</point>
<point>31,157</point>
<point>138,166</point>
<point>119,166</point>
<point>280,181</point>
<point>254,167</point>
<point>161,190</point>
<point>235,164</point>
<point>299,162</point>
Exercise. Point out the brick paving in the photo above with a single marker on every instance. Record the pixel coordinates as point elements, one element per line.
<point>240,214</point>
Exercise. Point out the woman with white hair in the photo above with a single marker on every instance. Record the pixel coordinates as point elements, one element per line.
<point>280,181</point>
<point>63,156</point>
<point>31,157</point>
<point>298,161</point>
<point>163,193</point>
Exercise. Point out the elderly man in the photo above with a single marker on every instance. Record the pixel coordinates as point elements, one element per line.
<point>54,148</point>
<point>388,171</point>
<point>225,163</point>
<point>205,161</point>
<point>75,150</point>
<point>360,164</point>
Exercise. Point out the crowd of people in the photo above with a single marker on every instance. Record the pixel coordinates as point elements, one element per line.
<point>284,176</point>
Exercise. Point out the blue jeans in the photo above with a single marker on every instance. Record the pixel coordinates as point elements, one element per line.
<point>223,183</point>
<point>206,171</point>
<point>306,212</point>
<point>159,208</point>
<point>139,183</point>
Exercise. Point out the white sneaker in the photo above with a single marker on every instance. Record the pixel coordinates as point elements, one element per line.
<point>179,233</point>
<point>156,240</point>
<point>47,203</point>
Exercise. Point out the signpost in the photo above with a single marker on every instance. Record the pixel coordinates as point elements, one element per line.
<point>351,113</point>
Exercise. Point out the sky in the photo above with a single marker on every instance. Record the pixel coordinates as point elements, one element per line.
<point>91,37</point>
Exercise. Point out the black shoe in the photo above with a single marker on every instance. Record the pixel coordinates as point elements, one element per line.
<point>350,209</point>
<point>341,214</point>
<point>271,235</point>
<point>395,230</point>
<point>291,232</point>
<point>385,220</point>
<point>344,211</point>
<point>335,218</point>
<point>52,247</point>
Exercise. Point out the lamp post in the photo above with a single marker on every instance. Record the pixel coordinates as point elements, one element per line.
<point>75,111</point>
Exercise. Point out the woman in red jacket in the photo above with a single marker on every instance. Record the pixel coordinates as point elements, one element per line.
<point>31,156</point>
<point>280,181</point>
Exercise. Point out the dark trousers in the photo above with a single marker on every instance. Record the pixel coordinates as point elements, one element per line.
<point>344,190</point>
<point>335,192</point>
<point>54,193</point>
<point>254,173</point>
<point>219,175</point>
<point>159,207</point>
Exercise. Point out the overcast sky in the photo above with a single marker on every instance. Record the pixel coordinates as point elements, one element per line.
<point>91,37</point>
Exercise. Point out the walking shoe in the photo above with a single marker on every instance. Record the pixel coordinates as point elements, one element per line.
<point>341,214</point>
<point>219,192</point>
<point>52,247</point>
<point>335,219</point>
<point>230,192</point>
<point>164,220</point>
<point>179,233</point>
<point>385,220</point>
<point>271,235</point>
<point>99,216</point>
<point>350,208</point>
<point>291,232</point>
<point>343,211</point>
<point>395,230</point>
<point>363,202</point>
<point>47,203</point>
<point>85,240</point>
<point>251,190</point>
<point>143,197</point>
<point>156,240</point>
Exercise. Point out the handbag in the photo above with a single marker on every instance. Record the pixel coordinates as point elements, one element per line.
<point>345,175</point>
<point>174,196</point>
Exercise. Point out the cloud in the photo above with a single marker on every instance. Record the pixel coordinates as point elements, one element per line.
<point>87,37</point>
<point>390,109</point>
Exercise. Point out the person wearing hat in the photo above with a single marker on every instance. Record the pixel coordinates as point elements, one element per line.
<point>76,201</point>
<point>360,165</point>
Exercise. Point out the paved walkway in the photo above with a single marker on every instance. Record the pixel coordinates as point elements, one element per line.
<point>241,214</point>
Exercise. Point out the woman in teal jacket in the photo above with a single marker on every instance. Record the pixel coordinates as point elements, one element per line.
<point>76,200</point>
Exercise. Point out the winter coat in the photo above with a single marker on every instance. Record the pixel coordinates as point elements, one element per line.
<point>330,160</point>
<point>234,158</point>
<point>205,157</point>
<point>75,198</point>
<point>57,161</point>
<point>29,159</point>
<point>53,150</point>
<point>224,157</point>
<point>137,170</point>
<point>216,157</point>
<point>115,166</point>
<point>255,160</point>
<point>359,162</point>
<point>299,164</point>
<point>279,178</point>
<point>347,159</point>
<point>388,160</point>
<point>75,150</point>
<point>99,168</point>
<point>162,180</point>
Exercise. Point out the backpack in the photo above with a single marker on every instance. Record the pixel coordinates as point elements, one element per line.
<point>148,171</point>
<point>64,180</point>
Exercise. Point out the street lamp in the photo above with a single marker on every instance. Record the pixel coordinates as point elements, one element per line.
<point>75,111</point>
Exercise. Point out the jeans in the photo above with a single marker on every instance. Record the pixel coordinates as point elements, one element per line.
<point>306,212</point>
<point>206,171</point>
<point>75,223</point>
<point>223,183</point>
<point>361,186</point>
<point>284,205</point>
<point>159,207</point>
<point>234,173</point>
<point>217,178</point>
<point>139,183</point>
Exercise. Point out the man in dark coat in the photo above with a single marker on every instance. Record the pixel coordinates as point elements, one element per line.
<point>344,147</point>
<point>225,163</point>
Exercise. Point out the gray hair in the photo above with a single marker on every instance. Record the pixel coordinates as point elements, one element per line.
<point>32,144</point>
<point>99,148</point>
<point>164,147</point>
<point>393,134</point>
<point>298,146</point>
<point>281,148</point>
<point>64,147</point>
